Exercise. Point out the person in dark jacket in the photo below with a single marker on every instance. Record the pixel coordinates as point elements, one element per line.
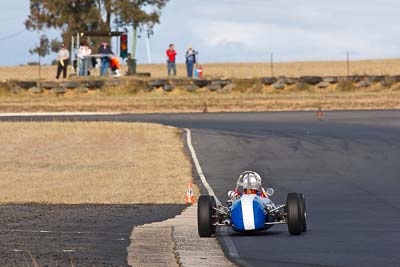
<point>190,61</point>
<point>106,53</point>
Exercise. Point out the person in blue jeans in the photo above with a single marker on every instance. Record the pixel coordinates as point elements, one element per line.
<point>190,61</point>
<point>84,53</point>
<point>106,53</point>
<point>171,56</point>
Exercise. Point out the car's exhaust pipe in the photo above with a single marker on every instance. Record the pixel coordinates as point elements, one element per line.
<point>227,222</point>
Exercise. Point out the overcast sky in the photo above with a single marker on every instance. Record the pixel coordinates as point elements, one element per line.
<point>246,31</point>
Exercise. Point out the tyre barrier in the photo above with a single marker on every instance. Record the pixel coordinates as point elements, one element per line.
<point>140,75</point>
<point>190,88</point>
<point>355,78</point>
<point>82,90</point>
<point>214,87</point>
<point>364,84</point>
<point>48,85</point>
<point>26,84</point>
<point>311,80</point>
<point>201,83</point>
<point>15,90</point>
<point>269,80</point>
<point>190,85</point>
<point>290,81</point>
<point>331,80</point>
<point>180,82</point>
<point>168,88</point>
<point>323,85</point>
<point>157,83</point>
<point>376,79</point>
<point>59,90</point>
<point>396,78</point>
<point>69,85</point>
<point>93,84</point>
<point>36,90</point>
<point>279,85</point>
<point>221,82</point>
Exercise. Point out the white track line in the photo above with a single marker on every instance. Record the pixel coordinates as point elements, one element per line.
<point>198,167</point>
<point>233,253</point>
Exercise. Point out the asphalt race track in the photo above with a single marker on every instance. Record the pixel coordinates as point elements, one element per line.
<point>72,235</point>
<point>346,164</point>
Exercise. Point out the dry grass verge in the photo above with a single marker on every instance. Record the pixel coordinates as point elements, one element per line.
<point>119,100</point>
<point>112,163</point>
<point>236,70</point>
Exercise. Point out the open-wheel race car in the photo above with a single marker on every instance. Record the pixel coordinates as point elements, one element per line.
<point>249,208</point>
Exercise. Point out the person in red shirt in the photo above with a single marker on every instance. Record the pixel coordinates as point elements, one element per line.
<point>171,54</point>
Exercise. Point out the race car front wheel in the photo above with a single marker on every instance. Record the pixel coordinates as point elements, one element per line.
<point>295,219</point>
<point>303,211</point>
<point>205,216</point>
<point>213,212</point>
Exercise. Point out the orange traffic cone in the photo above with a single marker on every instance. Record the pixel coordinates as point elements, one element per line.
<point>320,113</point>
<point>189,197</point>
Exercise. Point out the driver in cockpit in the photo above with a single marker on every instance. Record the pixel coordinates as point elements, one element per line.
<point>251,183</point>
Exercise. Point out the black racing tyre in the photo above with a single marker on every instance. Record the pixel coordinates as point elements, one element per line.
<point>93,84</point>
<point>204,216</point>
<point>69,85</point>
<point>311,80</point>
<point>157,83</point>
<point>213,205</point>
<point>26,84</point>
<point>201,83</point>
<point>303,211</point>
<point>49,85</point>
<point>168,88</point>
<point>294,218</point>
<point>269,80</point>
<point>221,82</point>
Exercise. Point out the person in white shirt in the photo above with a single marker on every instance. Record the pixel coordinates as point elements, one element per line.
<point>62,57</point>
<point>84,53</point>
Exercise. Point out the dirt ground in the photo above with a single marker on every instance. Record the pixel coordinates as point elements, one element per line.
<point>72,235</point>
<point>107,163</point>
<point>76,163</point>
<point>236,70</point>
<point>181,101</point>
<point>244,97</point>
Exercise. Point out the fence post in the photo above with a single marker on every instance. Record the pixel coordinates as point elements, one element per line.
<point>272,64</point>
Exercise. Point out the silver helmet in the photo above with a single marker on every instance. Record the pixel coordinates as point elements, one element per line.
<point>251,180</point>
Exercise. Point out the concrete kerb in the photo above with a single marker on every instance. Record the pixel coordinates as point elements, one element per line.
<point>175,242</point>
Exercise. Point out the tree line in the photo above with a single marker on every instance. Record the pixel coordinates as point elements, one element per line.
<point>74,16</point>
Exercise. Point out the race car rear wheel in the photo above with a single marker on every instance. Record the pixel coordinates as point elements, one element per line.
<point>294,216</point>
<point>303,211</point>
<point>204,216</point>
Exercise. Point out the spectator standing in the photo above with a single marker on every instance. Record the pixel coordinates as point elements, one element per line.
<point>198,72</point>
<point>171,65</point>
<point>190,61</point>
<point>106,53</point>
<point>62,57</point>
<point>84,53</point>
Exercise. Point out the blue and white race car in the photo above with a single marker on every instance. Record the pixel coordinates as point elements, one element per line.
<point>250,209</point>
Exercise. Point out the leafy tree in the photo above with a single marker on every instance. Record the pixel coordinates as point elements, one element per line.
<point>42,50</point>
<point>69,16</point>
<point>137,14</point>
<point>73,16</point>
